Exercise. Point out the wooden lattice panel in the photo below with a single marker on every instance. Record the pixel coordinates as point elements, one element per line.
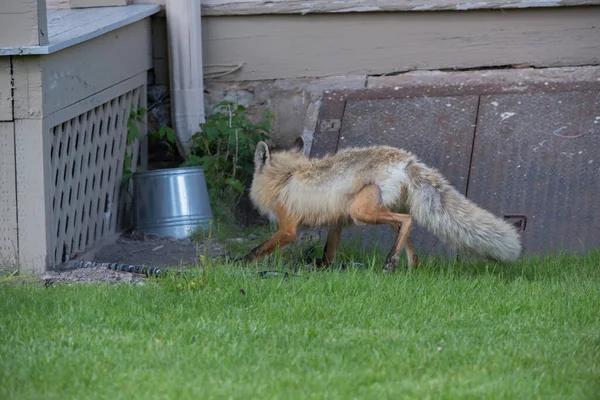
<point>86,164</point>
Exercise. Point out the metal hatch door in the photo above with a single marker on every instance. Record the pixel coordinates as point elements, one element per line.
<point>537,157</point>
<point>438,130</point>
<point>529,153</point>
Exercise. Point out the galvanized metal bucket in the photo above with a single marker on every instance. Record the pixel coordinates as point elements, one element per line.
<point>171,202</point>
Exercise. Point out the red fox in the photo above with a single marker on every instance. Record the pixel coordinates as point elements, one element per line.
<point>370,185</point>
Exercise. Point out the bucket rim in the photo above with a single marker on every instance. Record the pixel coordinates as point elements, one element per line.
<point>168,171</point>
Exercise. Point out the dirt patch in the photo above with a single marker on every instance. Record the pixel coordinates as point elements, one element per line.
<point>134,255</point>
<point>154,251</point>
<point>135,250</point>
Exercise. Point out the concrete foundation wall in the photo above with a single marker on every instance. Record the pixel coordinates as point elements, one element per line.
<point>290,60</point>
<point>294,102</point>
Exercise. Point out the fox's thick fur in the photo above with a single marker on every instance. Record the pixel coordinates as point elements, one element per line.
<point>320,192</point>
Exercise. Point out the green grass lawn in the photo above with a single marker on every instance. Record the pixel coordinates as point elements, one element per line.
<point>450,330</point>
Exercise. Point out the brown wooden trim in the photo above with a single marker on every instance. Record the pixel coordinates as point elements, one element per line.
<point>294,46</point>
<point>256,7</point>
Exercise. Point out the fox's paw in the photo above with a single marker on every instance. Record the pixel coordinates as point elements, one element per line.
<point>236,260</point>
<point>315,262</point>
<point>414,263</point>
<point>308,255</point>
<point>391,263</point>
<point>389,268</point>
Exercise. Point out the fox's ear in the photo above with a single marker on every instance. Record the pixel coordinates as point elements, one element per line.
<point>298,145</point>
<point>261,155</point>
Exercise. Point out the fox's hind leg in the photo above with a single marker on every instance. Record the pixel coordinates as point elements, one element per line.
<point>411,256</point>
<point>367,208</point>
<point>393,257</point>
<point>288,226</point>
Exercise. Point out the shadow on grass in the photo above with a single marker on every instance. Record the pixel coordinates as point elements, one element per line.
<point>354,255</point>
<point>530,267</point>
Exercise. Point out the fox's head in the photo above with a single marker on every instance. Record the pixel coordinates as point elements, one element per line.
<point>265,156</point>
<point>272,169</point>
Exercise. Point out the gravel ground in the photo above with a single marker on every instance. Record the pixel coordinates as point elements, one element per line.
<point>92,275</point>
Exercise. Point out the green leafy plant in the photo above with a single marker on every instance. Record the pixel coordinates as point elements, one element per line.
<point>133,133</point>
<point>225,146</point>
<point>168,136</point>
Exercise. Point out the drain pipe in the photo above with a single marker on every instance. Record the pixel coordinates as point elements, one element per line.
<point>184,30</point>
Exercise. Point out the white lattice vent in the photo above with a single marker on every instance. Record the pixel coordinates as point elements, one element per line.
<point>86,164</point>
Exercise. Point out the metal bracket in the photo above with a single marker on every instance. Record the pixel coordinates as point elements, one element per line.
<point>519,221</point>
<point>330,125</point>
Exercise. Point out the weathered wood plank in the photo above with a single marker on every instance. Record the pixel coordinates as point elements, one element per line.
<point>162,3</point>
<point>107,60</point>
<point>8,197</point>
<point>289,46</point>
<point>23,23</point>
<point>65,25</point>
<point>253,7</point>
<point>96,99</point>
<point>6,107</point>
<point>55,4</point>
<point>99,3</point>
<point>46,84</point>
<point>34,211</point>
<point>69,27</point>
<point>28,102</point>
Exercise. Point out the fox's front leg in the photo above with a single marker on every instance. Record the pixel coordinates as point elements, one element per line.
<point>288,227</point>
<point>334,237</point>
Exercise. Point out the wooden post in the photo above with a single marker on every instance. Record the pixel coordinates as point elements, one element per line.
<point>23,23</point>
<point>185,53</point>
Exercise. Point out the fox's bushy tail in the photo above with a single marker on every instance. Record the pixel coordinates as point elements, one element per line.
<point>446,213</point>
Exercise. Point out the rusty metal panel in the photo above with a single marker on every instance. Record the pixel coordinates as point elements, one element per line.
<point>327,132</point>
<point>333,104</point>
<point>537,157</point>
<point>439,130</point>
